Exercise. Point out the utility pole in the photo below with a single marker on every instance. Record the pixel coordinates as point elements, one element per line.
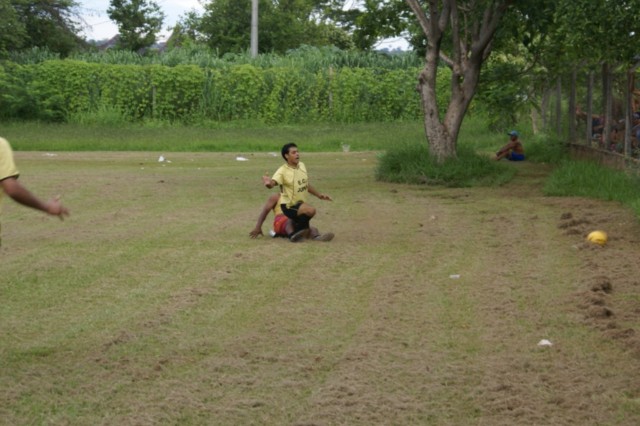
<point>254,28</point>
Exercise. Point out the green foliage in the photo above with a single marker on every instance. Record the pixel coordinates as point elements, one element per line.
<point>411,163</point>
<point>226,25</point>
<point>126,88</point>
<point>138,22</point>
<point>291,96</point>
<point>13,33</point>
<point>14,97</point>
<point>185,32</point>
<point>374,20</point>
<point>241,93</point>
<point>589,179</point>
<point>33,55</point>
<point>53,24</point>
<point>599,30</point>
<point>62,86</point>
<point>105,116</point>
<point>546,148</point>
<point>502,92</point>
<point>60,89</point>
<point>308,57</point>
<point>176,92</point>
<point>283,25</point>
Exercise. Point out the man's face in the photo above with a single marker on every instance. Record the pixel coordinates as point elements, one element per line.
<point>293,157</point>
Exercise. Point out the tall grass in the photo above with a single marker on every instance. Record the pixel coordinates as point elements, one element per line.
<point>589,179</point>
<point>307,57</point>
<point>546,148</point>
<point>539,148</point>
<point>411,163</point>
<point>408,160</point>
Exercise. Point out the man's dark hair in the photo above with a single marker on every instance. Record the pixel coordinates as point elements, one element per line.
<point>285,149</point>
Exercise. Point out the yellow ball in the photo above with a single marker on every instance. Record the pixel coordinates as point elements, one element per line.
<point>597,237</point>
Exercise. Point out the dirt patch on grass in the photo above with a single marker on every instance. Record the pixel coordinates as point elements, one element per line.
<point>608,299</point>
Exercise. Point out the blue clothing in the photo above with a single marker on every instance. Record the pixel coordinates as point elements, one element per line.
<point>514,156</point>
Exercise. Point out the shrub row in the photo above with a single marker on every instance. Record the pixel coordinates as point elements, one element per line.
<point>55,90</point>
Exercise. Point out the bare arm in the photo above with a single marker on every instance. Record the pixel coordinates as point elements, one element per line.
<point>268,182</point>
<point>315,192</point>
<point>22,195</point>
<point>268,206</point>
<point>507,147</point>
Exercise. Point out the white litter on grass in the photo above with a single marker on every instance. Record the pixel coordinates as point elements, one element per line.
<point>273,154</point>
<point>239,158</point>
<point>545,342</point>
<point>161,159</point>
<point>50,154</point>
<point>454,276</point>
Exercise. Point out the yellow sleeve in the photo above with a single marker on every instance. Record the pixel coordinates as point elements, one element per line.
<point>7,165</point>
<point>278,176</point>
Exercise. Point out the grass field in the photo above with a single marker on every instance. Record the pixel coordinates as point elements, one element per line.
<point>151,305</point>
<point>219,137</point>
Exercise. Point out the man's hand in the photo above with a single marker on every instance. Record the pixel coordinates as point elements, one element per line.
<point>266,180</point>
<point>55,208</point>
<point>325,197</point>
<point>256,233</point>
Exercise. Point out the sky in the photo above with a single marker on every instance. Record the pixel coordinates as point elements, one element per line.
<point>100,27</point>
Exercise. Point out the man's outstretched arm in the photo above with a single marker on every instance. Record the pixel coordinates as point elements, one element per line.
<point>22,195</point>
<point>318,194</point>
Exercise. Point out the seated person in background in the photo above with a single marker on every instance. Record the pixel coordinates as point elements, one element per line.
<point>513,151</point>
<point>597,126</point>
<point>597,123</point>
<point>635,126</point>
<point>617,137</point>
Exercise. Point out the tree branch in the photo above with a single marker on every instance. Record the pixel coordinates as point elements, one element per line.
<point>424,22</point>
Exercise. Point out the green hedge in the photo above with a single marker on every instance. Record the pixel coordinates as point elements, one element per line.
<point>57,89</point>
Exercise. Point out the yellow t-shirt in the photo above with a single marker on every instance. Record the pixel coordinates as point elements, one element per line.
<point>277,209</point>
<point>294,185</point>
<point>7,166</point>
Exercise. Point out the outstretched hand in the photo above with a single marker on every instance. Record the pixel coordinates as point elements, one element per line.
<point>266,179</point>
<point>55,208</point>
<point>256,233</point>
<point>325,197</point>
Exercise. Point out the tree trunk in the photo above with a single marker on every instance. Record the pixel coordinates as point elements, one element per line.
<point>590,108</point>
<point>607,99</point>
<point>534,120</point>
<point>442,135</point>
<point>628,112</point>
<point>544,108</point>
<point>572,107</point>
<point>559,107</point>
<point>471,35</point>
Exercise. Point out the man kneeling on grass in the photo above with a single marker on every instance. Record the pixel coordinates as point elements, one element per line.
<point>294,187</point>
<point>282,225</point>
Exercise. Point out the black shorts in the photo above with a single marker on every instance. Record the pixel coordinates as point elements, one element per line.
<point>291,212</point>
